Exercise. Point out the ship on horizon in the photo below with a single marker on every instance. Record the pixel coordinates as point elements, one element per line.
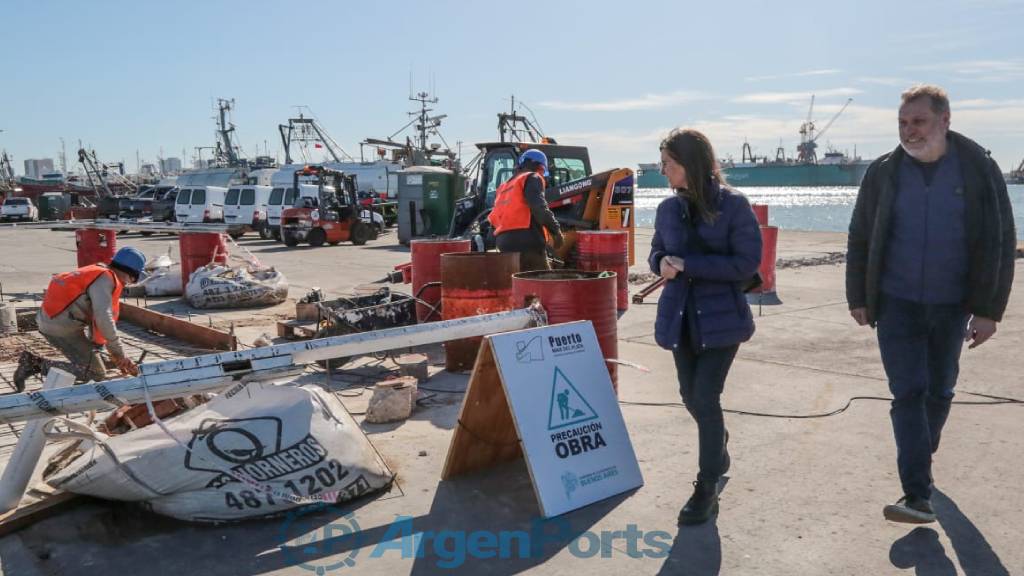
<point>833,169</point>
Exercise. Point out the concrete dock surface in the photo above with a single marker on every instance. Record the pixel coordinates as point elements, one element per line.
<point>804,495</point>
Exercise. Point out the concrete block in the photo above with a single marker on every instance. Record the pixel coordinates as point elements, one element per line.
<point>392,400</point>
<point>414,365</point>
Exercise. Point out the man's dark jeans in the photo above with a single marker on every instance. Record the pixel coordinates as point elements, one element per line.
<point>920,345</point>
<point>701,379</point>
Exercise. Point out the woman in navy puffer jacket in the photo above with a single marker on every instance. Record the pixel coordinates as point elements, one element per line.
<point>703,315</point>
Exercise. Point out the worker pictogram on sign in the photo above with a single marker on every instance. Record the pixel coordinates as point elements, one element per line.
<point>568,406</point>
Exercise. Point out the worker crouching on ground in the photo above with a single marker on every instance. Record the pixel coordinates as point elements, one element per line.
<point>89,296</point>
<point>521,218</point>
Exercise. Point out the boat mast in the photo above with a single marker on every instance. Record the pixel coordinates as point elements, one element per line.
<point>303,130</point>
<point>515,126</point>
<point>225,152</point>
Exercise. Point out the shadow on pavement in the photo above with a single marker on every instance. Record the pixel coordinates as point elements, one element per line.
<point>922,551</point>
<point>973,551</point>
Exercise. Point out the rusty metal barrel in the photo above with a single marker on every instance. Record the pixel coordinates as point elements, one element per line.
<point>570,295</point>
<point>601,250</point>
<point>474,283</point>
<point>426,268</point>
<point>95,246</point>
<point>199,249</point>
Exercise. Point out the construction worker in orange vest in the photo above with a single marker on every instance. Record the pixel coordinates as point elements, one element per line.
<point>521,218</point>
<point>87,297</point>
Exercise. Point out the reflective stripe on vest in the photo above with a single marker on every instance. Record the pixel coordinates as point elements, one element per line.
<point>511,211</point>
<point>66,287</point>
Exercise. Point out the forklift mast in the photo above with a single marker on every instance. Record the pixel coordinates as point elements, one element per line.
<point>344,185</point>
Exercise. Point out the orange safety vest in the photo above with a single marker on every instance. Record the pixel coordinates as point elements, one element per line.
<point>511,211</point>
<point>66,287</point>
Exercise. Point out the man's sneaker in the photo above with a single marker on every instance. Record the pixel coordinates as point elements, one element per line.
<point>911,510</point>
<point>702,505</point>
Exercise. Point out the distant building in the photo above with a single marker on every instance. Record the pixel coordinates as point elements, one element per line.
<point>34,168</point>
<point>147,170</point>
<point>170,165</point>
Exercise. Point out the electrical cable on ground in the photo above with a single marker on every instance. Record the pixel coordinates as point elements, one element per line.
<point>995,400</point>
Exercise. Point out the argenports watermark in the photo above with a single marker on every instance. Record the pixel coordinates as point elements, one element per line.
<point>341,544</point>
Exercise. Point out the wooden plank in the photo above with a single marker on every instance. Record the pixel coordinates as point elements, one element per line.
<point>485,434</point>
<point>201,336</point>
<point>26,514</point>
<point>297,329</point>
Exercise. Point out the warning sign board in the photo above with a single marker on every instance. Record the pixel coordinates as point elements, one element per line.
<point>552,386</point>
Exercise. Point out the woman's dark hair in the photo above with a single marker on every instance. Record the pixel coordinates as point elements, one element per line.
<point>692,150</point>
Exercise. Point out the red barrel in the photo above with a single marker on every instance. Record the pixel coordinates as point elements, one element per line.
<point>761,212</point>
<point>426,268</point>
<point>769,239</point>
<point>95,246</point>
<point>570,295</point>
<point>602,250</point>
<point>199,249</point>
<point>474,283</point>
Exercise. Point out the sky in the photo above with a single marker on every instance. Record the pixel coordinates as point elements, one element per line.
<point>141,77</point>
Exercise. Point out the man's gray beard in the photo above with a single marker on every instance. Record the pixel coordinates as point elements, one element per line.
<point>916,155</point>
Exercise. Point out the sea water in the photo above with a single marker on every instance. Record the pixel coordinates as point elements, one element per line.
<point>798,208</point>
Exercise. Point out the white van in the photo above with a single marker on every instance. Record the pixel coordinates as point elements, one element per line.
<point>246,205</point>
<point>196,204</point>
<point>282,197</point>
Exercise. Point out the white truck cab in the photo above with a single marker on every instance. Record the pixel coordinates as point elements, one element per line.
<point>18,208</point>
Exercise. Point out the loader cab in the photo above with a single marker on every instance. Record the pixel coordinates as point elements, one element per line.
<point>565,163</point>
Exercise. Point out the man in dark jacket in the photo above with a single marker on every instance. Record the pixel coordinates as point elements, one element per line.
<point>930,261</point>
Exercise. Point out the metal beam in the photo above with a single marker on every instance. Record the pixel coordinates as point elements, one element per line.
<point>194,334</point>
<point>171,227</point>
<point>186,376</point>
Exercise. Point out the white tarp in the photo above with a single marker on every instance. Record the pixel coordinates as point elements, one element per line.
<point>254,450</point>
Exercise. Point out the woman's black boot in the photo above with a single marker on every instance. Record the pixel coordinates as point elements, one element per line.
<point>702,505</point>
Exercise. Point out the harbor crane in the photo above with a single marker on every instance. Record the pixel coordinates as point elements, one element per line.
<point>808,139</point>
<point>102,175</point>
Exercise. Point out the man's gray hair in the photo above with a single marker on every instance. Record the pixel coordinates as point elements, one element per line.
<point>936,95</point>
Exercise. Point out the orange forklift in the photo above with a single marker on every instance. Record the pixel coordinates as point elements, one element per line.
<point>333,216</point>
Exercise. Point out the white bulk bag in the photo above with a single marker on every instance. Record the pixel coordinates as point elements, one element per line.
<point>216,286</point>
<point>254,450</point>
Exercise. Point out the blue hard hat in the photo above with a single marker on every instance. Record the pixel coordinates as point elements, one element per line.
<point>130,260</point>
<point>537,156</point>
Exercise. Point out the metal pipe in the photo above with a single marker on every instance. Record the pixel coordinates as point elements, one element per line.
<point>638,298</point>
<point>186,376</point>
